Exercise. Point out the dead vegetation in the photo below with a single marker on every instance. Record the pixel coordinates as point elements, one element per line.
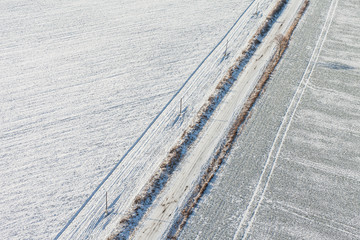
<point>245,114</point>
<point>158,181</point>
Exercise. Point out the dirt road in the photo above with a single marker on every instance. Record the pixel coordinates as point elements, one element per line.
<point>160,216</point>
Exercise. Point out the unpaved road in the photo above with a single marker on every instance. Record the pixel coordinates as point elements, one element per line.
<point>157,221</point>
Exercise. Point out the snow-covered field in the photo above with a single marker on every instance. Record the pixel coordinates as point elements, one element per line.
<point>90,94</point>
<point>294,173</point>
<point>80,82</point>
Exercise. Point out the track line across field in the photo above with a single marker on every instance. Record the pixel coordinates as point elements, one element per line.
<point>270,164</point>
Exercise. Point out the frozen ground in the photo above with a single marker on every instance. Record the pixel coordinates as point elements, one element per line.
<point>294,173</point>
<point>80,81</point>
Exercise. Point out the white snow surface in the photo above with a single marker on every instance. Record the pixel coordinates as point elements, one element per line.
<point>87,86</point>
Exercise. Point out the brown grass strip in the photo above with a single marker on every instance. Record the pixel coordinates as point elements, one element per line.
<point>237,127</point>
<point>159,179</point>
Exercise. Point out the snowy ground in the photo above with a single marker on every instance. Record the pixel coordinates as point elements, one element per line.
<point>80,81</point>
<point>294,173</point>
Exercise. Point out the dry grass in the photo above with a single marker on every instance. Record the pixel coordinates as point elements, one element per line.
<point>175,155</point>
<point>241,119</point>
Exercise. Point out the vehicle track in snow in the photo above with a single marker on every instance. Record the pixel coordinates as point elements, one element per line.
<point>270,164</point>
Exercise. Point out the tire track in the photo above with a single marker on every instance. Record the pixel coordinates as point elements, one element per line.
<point>252,209</point>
